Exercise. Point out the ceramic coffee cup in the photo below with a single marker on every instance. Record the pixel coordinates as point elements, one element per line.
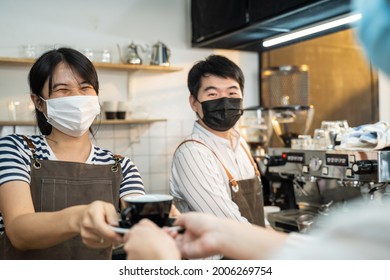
<point>155,207</point>
<point>110,109</point>
<point>121,110</point>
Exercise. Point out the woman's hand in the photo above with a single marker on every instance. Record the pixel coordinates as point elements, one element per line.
<point>146,241</point>
<point>95,225</point>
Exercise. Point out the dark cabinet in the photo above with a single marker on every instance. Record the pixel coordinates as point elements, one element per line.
<point>260,10</point>
<point>243,24</point>
<point>217,17</point>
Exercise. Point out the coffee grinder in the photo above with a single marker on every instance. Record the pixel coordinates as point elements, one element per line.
<point>256,128</point>
<point>285,91</point>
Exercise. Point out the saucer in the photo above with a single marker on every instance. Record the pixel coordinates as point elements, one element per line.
<point>120,230</point>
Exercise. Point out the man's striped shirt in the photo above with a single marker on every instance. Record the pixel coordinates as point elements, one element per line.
<point>198,181</point>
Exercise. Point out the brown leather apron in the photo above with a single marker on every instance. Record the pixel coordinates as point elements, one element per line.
<point>56,185</point>
<point>247,194</point>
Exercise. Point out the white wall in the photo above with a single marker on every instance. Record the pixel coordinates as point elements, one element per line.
<point>99,25</point>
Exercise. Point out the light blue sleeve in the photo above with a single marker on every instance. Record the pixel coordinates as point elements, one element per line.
<point>373,31</point>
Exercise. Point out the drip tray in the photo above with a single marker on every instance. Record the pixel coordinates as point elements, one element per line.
<point>286,220</point>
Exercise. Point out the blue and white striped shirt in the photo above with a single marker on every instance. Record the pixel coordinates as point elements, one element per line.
<point>15,163</point>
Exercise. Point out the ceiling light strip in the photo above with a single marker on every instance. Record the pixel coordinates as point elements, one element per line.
<point>311,30</point>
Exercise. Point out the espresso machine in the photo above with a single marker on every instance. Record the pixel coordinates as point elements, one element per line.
<point>320,178</point>
<point>309,176</point>
<point>323,180</point>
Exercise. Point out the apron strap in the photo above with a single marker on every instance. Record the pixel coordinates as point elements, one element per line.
<point>232,181</point>
<point>30,144</point>
<point>257,172</point>
<point>36,164</point>
<point>115,167</point>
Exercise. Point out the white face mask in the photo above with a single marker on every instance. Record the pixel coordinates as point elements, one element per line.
<point>72,115</point>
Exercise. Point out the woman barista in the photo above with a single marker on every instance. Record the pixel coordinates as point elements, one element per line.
<point>58,192</point>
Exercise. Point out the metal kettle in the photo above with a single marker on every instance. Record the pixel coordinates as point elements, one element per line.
<point>132,56</point>
<point>160,54</point>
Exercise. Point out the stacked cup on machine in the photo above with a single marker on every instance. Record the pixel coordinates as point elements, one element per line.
<point>115,110</point>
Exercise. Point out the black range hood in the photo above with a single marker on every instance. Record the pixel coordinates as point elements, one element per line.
<point>258,25</point>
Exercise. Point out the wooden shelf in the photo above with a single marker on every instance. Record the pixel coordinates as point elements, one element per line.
<point>102,122</point>
<point>98,65</point>
<point>129,121</point>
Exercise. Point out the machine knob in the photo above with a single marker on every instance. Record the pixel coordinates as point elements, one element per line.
<point>365,166</point>
<point>274,161</point>
<point>315,163</point>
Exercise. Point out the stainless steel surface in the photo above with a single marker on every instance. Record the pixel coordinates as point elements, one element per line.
<point>304,222</point>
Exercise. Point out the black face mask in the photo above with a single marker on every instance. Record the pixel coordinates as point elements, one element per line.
<point>222,114</point>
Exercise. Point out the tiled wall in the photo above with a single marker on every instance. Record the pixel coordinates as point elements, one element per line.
<point>149,146</point>
<point>145,145</point>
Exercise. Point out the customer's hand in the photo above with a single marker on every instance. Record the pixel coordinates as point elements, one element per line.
<point>201,236</point>
<point>206,235</point>
<point>146,241</point>
<point>95,224</point>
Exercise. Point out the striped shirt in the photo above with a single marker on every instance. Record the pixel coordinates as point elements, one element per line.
<point>198,181</point>
<point>15,163</point>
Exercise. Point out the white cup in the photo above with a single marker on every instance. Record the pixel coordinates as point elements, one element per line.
<point>89,53</point>
<point>29,51</point>
<point>105,56</point>
<point>110,108</point>
<point>122,106</point>
<point>121,110</point>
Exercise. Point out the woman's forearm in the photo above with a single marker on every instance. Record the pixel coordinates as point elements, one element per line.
<point>44,229</point>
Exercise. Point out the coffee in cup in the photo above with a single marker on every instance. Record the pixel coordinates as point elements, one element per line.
<point>155,207</point>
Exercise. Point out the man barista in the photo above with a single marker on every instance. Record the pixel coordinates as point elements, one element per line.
<point>212,170</point>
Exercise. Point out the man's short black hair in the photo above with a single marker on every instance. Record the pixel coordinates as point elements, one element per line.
<point>217,65</point>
